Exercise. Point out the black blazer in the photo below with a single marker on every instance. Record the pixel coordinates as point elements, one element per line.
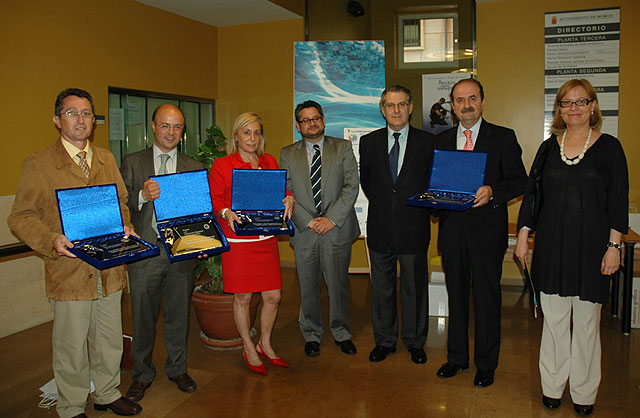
<point>391,224</point>
<point>486,227</point>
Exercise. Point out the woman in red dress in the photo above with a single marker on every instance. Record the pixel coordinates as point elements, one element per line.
<point>253,263</point>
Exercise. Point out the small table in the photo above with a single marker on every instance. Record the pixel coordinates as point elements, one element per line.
<point>626,267</point>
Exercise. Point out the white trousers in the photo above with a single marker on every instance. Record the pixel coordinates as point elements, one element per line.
<point>87,345</point>
<point>570,352</point>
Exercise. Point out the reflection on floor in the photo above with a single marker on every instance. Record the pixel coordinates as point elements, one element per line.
<point>336,385</point>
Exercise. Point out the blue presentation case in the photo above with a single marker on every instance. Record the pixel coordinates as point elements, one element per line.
<point>92,221</point>
<point>455,178</point>
<point>256,196</point>
<point>184,209</point>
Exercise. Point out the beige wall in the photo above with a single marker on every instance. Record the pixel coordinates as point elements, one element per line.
<point>256,75</point>
<point>511,67</point>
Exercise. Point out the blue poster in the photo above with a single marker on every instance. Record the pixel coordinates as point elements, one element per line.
<point>346,78</point>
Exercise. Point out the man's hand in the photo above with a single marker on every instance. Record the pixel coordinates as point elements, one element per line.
<point>289,202</point>
<point>150,190</point>
<point>321,225</point>
<point>483,195</point>
<point>61,244</point>
<point>129,231</point>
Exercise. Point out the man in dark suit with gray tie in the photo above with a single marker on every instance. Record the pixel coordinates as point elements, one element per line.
<point>394,165</point>
<point>473,243</point>
<point>322,174</point>
<point>155,279</point>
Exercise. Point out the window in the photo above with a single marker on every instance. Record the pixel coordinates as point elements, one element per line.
<point>130,114</point>
<point>427,40</point>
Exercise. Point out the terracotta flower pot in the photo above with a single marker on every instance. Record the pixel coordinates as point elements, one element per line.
<point>215,317</point>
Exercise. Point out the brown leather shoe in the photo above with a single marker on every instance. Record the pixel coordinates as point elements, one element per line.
<point>185,382</point>
<point>120,406</point>
<point>136,390</point>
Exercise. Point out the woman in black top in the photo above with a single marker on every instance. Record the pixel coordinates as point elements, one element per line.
<point>579,216</point>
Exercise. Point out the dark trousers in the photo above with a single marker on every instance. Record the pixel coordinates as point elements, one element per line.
<point>159,280</point>
<point>482,273</point>
<point>414,290</point>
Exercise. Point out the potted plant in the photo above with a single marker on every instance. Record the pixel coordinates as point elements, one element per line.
<point>214,308</point>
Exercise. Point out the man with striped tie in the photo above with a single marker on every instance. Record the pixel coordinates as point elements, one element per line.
<point>322,174</point>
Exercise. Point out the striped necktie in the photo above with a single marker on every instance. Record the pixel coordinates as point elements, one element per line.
<point>82,155</point>
<point>316,171</point>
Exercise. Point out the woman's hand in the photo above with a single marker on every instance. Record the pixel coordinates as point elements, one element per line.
<point>522,247</point>
<point>230,216</point>
<point>289,203</point>
<point>610,261</point>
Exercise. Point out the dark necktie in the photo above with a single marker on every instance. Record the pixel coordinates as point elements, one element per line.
<point>393,157</point>
<point>316,171</point>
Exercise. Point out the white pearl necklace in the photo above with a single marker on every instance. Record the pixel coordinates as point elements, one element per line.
<point>579,158</point>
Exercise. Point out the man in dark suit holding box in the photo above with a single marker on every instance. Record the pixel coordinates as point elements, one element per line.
<point>473,242</point>
<point>156,278</point>
<point>394,165</point>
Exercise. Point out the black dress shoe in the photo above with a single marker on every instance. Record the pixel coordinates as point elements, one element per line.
<point>418,356</point>
<point>136,390</point>
<point>312,348</point>
<point>82,415</point>
<point>551,403</point>
<point>347,347</point>
<point>450,369</point>
<point>583,410</point>
<point>120,406</point>
<point>484,378</point>
<point>185,382</point>
<point>380,353</point>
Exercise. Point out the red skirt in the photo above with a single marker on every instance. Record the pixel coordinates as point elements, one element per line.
<point>252,266</point>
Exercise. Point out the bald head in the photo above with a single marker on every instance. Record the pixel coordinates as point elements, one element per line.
<point>167,125</point>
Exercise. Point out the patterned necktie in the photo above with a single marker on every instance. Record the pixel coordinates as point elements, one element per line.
<point>468,145</point>
<point>393,157</point>
<point>316,171</point>
<point>161,170</point>
<point>82,155</point>
<point>163,164</point>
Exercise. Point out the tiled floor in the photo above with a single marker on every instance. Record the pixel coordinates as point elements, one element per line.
<point>336,385</point>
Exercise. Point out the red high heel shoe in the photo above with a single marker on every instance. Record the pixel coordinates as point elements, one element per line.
<point>261,369</point>
<point>280,362</point>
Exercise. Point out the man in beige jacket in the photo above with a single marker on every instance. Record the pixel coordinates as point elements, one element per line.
<point>87,327</point>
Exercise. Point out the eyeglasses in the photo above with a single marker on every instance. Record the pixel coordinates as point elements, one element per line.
<point>85,114</point>
<point>315,119</point>
<point>400,105</point>
<point>579,102</point>
<point>166,127</point>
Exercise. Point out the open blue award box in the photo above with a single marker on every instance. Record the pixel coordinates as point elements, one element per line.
<point>256,197</point>
<point>187,225</point>
<point>92,221</point>
<point>455,177</point>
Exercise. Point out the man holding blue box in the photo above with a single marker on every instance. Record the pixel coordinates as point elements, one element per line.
<point>156,278</point>
<point>322,173</point>
<point>473,243</point>
<point>86,302</point>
